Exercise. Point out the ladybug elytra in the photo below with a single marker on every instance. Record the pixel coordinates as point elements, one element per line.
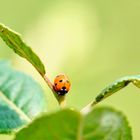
<point>61,84</point>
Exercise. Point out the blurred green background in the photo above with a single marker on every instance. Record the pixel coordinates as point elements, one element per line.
<point>94,42</point>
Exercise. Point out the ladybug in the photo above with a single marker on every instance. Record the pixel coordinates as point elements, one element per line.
<point>61,84</point>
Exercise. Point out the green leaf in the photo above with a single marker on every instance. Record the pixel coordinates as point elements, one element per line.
<point>117,85</point>
<point>21,99</point>
<point>99,124</point>
<point>106,124</point>
<point>14,41</point>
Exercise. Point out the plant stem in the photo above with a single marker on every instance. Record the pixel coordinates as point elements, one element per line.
<point>88,107</point>
<point>61,99</point>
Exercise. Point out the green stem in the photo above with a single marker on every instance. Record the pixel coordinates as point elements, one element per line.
<point>88,107</point>
<point>62,101</point>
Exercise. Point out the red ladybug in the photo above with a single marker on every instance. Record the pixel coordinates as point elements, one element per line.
<point>61,84</point>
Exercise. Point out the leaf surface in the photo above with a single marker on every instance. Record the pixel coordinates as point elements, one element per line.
<point>118,85</point>
<point>21,98</point>
<point>13,40</point>
<point>100,124</point>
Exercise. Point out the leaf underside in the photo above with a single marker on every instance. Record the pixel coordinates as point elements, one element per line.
<point>118,85</point>
<point>100,124</point>
<point>21,98</point>
<point>14,41</point>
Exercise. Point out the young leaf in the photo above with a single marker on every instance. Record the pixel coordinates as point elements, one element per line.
<point>101,123</point>
<point>14,41</point>
<point>111,89</point>
<point>21,98</point>
<point>117,85</point>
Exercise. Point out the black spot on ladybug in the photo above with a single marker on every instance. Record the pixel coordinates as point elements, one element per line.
<point>60,80</point>
<point>55,84</point>
<point>64,87</point>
